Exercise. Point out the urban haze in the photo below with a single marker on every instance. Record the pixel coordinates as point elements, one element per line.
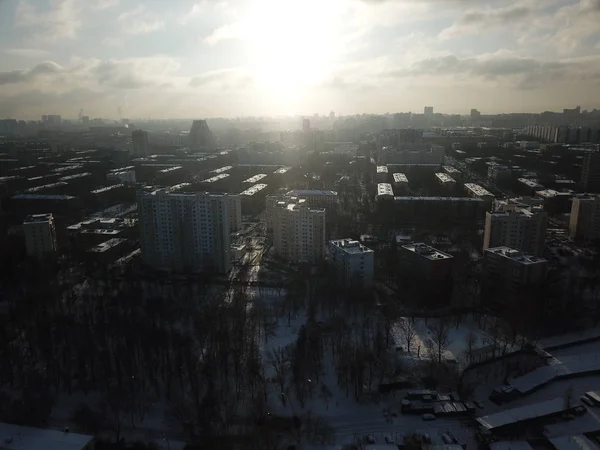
<point>284,225</point>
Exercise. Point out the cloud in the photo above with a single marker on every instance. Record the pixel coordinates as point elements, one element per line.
<point>26,52</point>
<point>61,20</point>
<point>100,75</point>
<point>510,69</point>
<point>104,4</point>
<point>23,76</point>
<point>225,79</point>
<point>140,21</point>
<point>479,20</point>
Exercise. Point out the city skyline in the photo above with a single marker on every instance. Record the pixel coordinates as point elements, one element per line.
<point>261,57</point>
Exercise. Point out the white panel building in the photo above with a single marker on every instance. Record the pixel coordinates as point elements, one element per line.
<point>185,231</point>
<point>385,191</point>
<point>520,228</point>
<point>382,174</point>
<point>353,261</point>
<point>40,235</point>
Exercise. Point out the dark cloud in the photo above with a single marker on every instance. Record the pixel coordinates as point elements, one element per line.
<point>23,76</point>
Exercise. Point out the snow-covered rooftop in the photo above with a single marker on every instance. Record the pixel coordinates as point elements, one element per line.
<point>515,415</point>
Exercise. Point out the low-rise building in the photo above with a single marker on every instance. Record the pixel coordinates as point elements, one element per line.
<point>507,269</point>
<point>476,191</point>
<point>453,172</point>
<point>353,261</point>
<point>40,235</point>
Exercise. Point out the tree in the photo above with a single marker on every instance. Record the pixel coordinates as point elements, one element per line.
<point>409,331</point>
<point>470,343</point>
<point>440,337</point>
<point>278,359</point>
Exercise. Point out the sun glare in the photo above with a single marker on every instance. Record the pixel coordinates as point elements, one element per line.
<point>293,44</point>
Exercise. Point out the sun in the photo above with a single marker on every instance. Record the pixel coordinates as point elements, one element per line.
<point>293,44</point>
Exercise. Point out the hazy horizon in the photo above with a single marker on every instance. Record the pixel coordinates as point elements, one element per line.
<point>219,58</point>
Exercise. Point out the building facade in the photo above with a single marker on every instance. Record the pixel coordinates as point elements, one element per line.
<point>184,232</point>
<point>585,218</point>
<point>40,235</point>
<point>201,139</point>
<point>140,143</point>
<point>519,228</point>
<point>354,263</point>
<point>299,231</point>
<point>590,172</point>
<point>234,206</point>
<point>508,269</point>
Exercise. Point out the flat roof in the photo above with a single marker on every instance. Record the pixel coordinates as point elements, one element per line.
<point>432,199</point>
<point>451,169</point>
<point>477,189</point>
<point>382,169</point>
<point>107,245</point>
<point>530,183</point>
<point>426,251</point>
<point>75,176</point>
<point>16,437</point>
<point>577,442</point>
<point>516,255</point>
<point>46,186</point>
<point>216,178</point>
<point>221,169</point>
<point>445,178</point>
<point>282,170</point>
<point>385,189</point>
<point>107,188</point>
<point>254,189</point>
<point>310,193</point>
<point>520,414</point>
<point>350,246</point>
<point>511,445</point>
<point>170,169</point>
<point>255,178</point>
<point>565,367</point>
<point>400,178</point>
<point>38,218</point>
<point>41,197</point>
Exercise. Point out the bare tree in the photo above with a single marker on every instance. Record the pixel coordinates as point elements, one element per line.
<point>409,331</point>
<point>441,337</point>
<point>278,359</point>
<point>470,343</point>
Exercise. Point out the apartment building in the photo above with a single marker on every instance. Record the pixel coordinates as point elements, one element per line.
<point>298,231</point>
<point>385,191</point>
<point>354,263</point>
<point>522,228</point>
<point>445,181</point>
<point>585,218</point>
<point>40,235</point>
<point>590,172</point>
<point>186,232</point>
<point>476,191</point>
<point>382,174</point>
<point>509,269</point>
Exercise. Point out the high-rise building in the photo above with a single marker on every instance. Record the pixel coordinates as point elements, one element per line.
<point>201,139</point>
<point>475,114</point>
<point>354,263</point>
<point>234,205</point>
<point>523,229</point>
<point>184,231</point>
<point>306,125</point>
<point>299,231</point>
<point>590,172</point>
<point>507,270</point>
<point>428,111</point>
<point>585,218</point>
<point>140,143</point>
<point>40,235</point>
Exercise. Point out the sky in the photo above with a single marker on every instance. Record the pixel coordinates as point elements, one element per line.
<point>227,58</point>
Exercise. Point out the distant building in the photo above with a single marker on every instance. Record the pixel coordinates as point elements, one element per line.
<point>520,228</point>
<point>322,198</point>
<point>201,139</point>
<point>306,125</point>
<point>234,205</point>
<point>184,231</point>
<point>508,269</point>
<point>477,191</point>
<point>412,211</point>
<point>475,114</point>
<point>428,112</point>
<point>445,181</point>
<point>590,172</point>
<point>353,261</point>
<point>400,183</point>
<point>299,232</point>
<point>126,176</point>
<point>40,235</point>
<point>585,218</point>
<point>140,143</point>
<point>412,153</point>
